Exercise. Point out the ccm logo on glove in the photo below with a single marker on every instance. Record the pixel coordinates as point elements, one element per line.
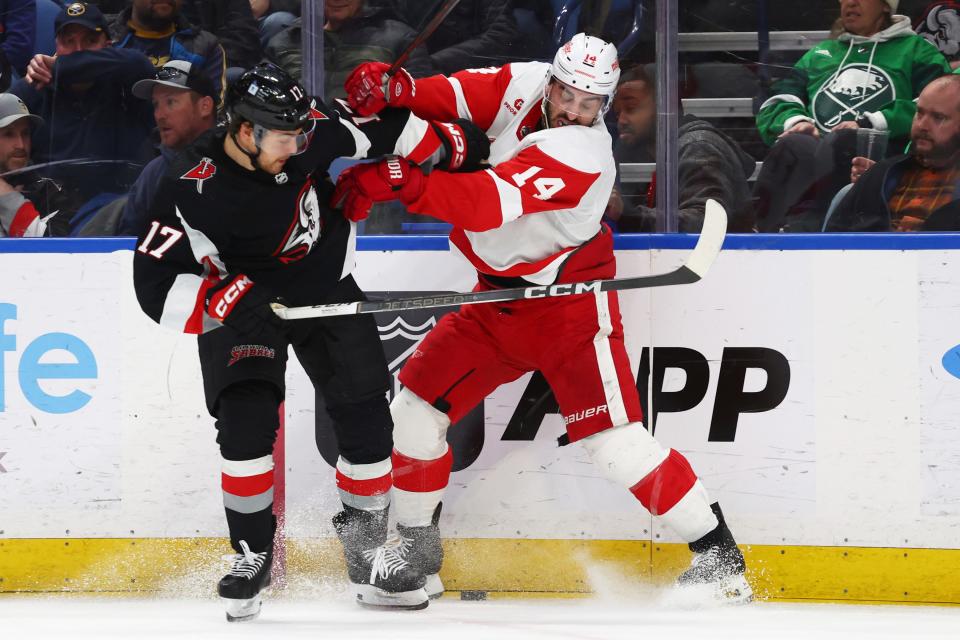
<point>223,301</point>
<point>458,146</point>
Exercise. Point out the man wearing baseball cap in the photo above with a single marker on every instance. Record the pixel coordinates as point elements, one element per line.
<point>18,216</point>
<point>83,92</point>
<point>184,106</point>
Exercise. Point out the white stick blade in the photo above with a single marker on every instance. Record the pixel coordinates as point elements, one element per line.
<point>319,311</point>
<point>711,238</point>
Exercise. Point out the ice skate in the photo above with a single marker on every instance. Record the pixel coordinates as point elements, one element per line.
<point>420,546</point>
<point>377,570</point>
<point>240,588</point>
<point>718,566</point>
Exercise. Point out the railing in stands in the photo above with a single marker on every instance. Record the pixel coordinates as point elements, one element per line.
<point>643,171</point>
<point>749,40</point>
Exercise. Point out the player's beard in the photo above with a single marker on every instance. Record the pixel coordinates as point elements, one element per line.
<point>554,119</point>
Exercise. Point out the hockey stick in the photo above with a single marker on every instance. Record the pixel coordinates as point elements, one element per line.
<point>421,37</point>
<point>52,163</point>
<point>695,267</point>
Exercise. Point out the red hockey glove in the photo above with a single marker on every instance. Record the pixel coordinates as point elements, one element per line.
<point>360,186</point>
<point>244,308</point>
<point>370,90</point>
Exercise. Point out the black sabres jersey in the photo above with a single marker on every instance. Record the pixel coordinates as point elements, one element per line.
<point>213,219</point>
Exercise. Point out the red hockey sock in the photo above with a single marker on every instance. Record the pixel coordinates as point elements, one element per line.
<point>666,485</point>
<point>421,476</point>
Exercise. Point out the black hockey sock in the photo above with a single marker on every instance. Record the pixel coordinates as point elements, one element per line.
<point>720,536</point>
<point>256,529</point>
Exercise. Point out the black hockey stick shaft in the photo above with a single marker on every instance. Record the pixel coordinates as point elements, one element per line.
<point>696,266</point>
<point>421,37</point>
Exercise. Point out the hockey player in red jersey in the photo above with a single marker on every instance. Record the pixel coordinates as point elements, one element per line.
<point>532,218</point>
<point>241,219</point>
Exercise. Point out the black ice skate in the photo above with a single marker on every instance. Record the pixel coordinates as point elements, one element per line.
<point>379,573</point>
<point>420,546</point>
<point>718,564</point>
<point>241,587</point>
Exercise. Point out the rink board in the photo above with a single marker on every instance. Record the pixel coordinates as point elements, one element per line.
<point>810,380</point>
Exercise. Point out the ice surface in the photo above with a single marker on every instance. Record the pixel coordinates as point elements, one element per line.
<point>331,614</point>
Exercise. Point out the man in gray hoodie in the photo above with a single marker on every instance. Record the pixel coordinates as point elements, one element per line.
<point>711,164</point>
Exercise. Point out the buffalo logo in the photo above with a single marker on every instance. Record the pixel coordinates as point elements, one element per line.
<point>203,171</point>
<point>76,9</point>
<point>857,89</point>
<point>941,26</point>
<point>305,229</point>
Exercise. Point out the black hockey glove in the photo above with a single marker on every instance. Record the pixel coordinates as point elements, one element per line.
<point>245,308</point>
<point>465,145</point>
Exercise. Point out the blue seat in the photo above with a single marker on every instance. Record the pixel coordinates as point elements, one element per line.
<point>837,199</point>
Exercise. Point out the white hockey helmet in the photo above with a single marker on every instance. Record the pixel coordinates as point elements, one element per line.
<point>589,64</point>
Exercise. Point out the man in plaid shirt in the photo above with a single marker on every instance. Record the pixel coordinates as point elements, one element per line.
<point>916,191</point>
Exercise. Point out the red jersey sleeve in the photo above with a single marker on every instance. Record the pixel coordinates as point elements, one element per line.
<point>474,94</point>
<point>532,182</point>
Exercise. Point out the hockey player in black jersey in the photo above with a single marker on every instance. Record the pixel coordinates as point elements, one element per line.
<point>241,219</point>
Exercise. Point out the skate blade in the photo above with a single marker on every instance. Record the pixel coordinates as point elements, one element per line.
<point>734,590</point>
<point>370,596</point>
<point>434,586</point>
<point>243,610</point>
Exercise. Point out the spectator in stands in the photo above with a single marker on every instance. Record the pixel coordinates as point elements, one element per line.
<point>867,77</point>
<point>355,32</point>
<point>111,8</point>
<point>711,165</point>
<point>184,106</point>
<point>917,191</point>
<point>158,29</point>
<point>477,33</point>
<point>84,90</point>
<point>273,16</point>
<point>20,216</point>
<point>232,22</point>
<point>18,24</point>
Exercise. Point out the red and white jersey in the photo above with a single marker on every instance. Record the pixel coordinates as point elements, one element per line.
<point>546,190</point>
<point>19,218</point>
